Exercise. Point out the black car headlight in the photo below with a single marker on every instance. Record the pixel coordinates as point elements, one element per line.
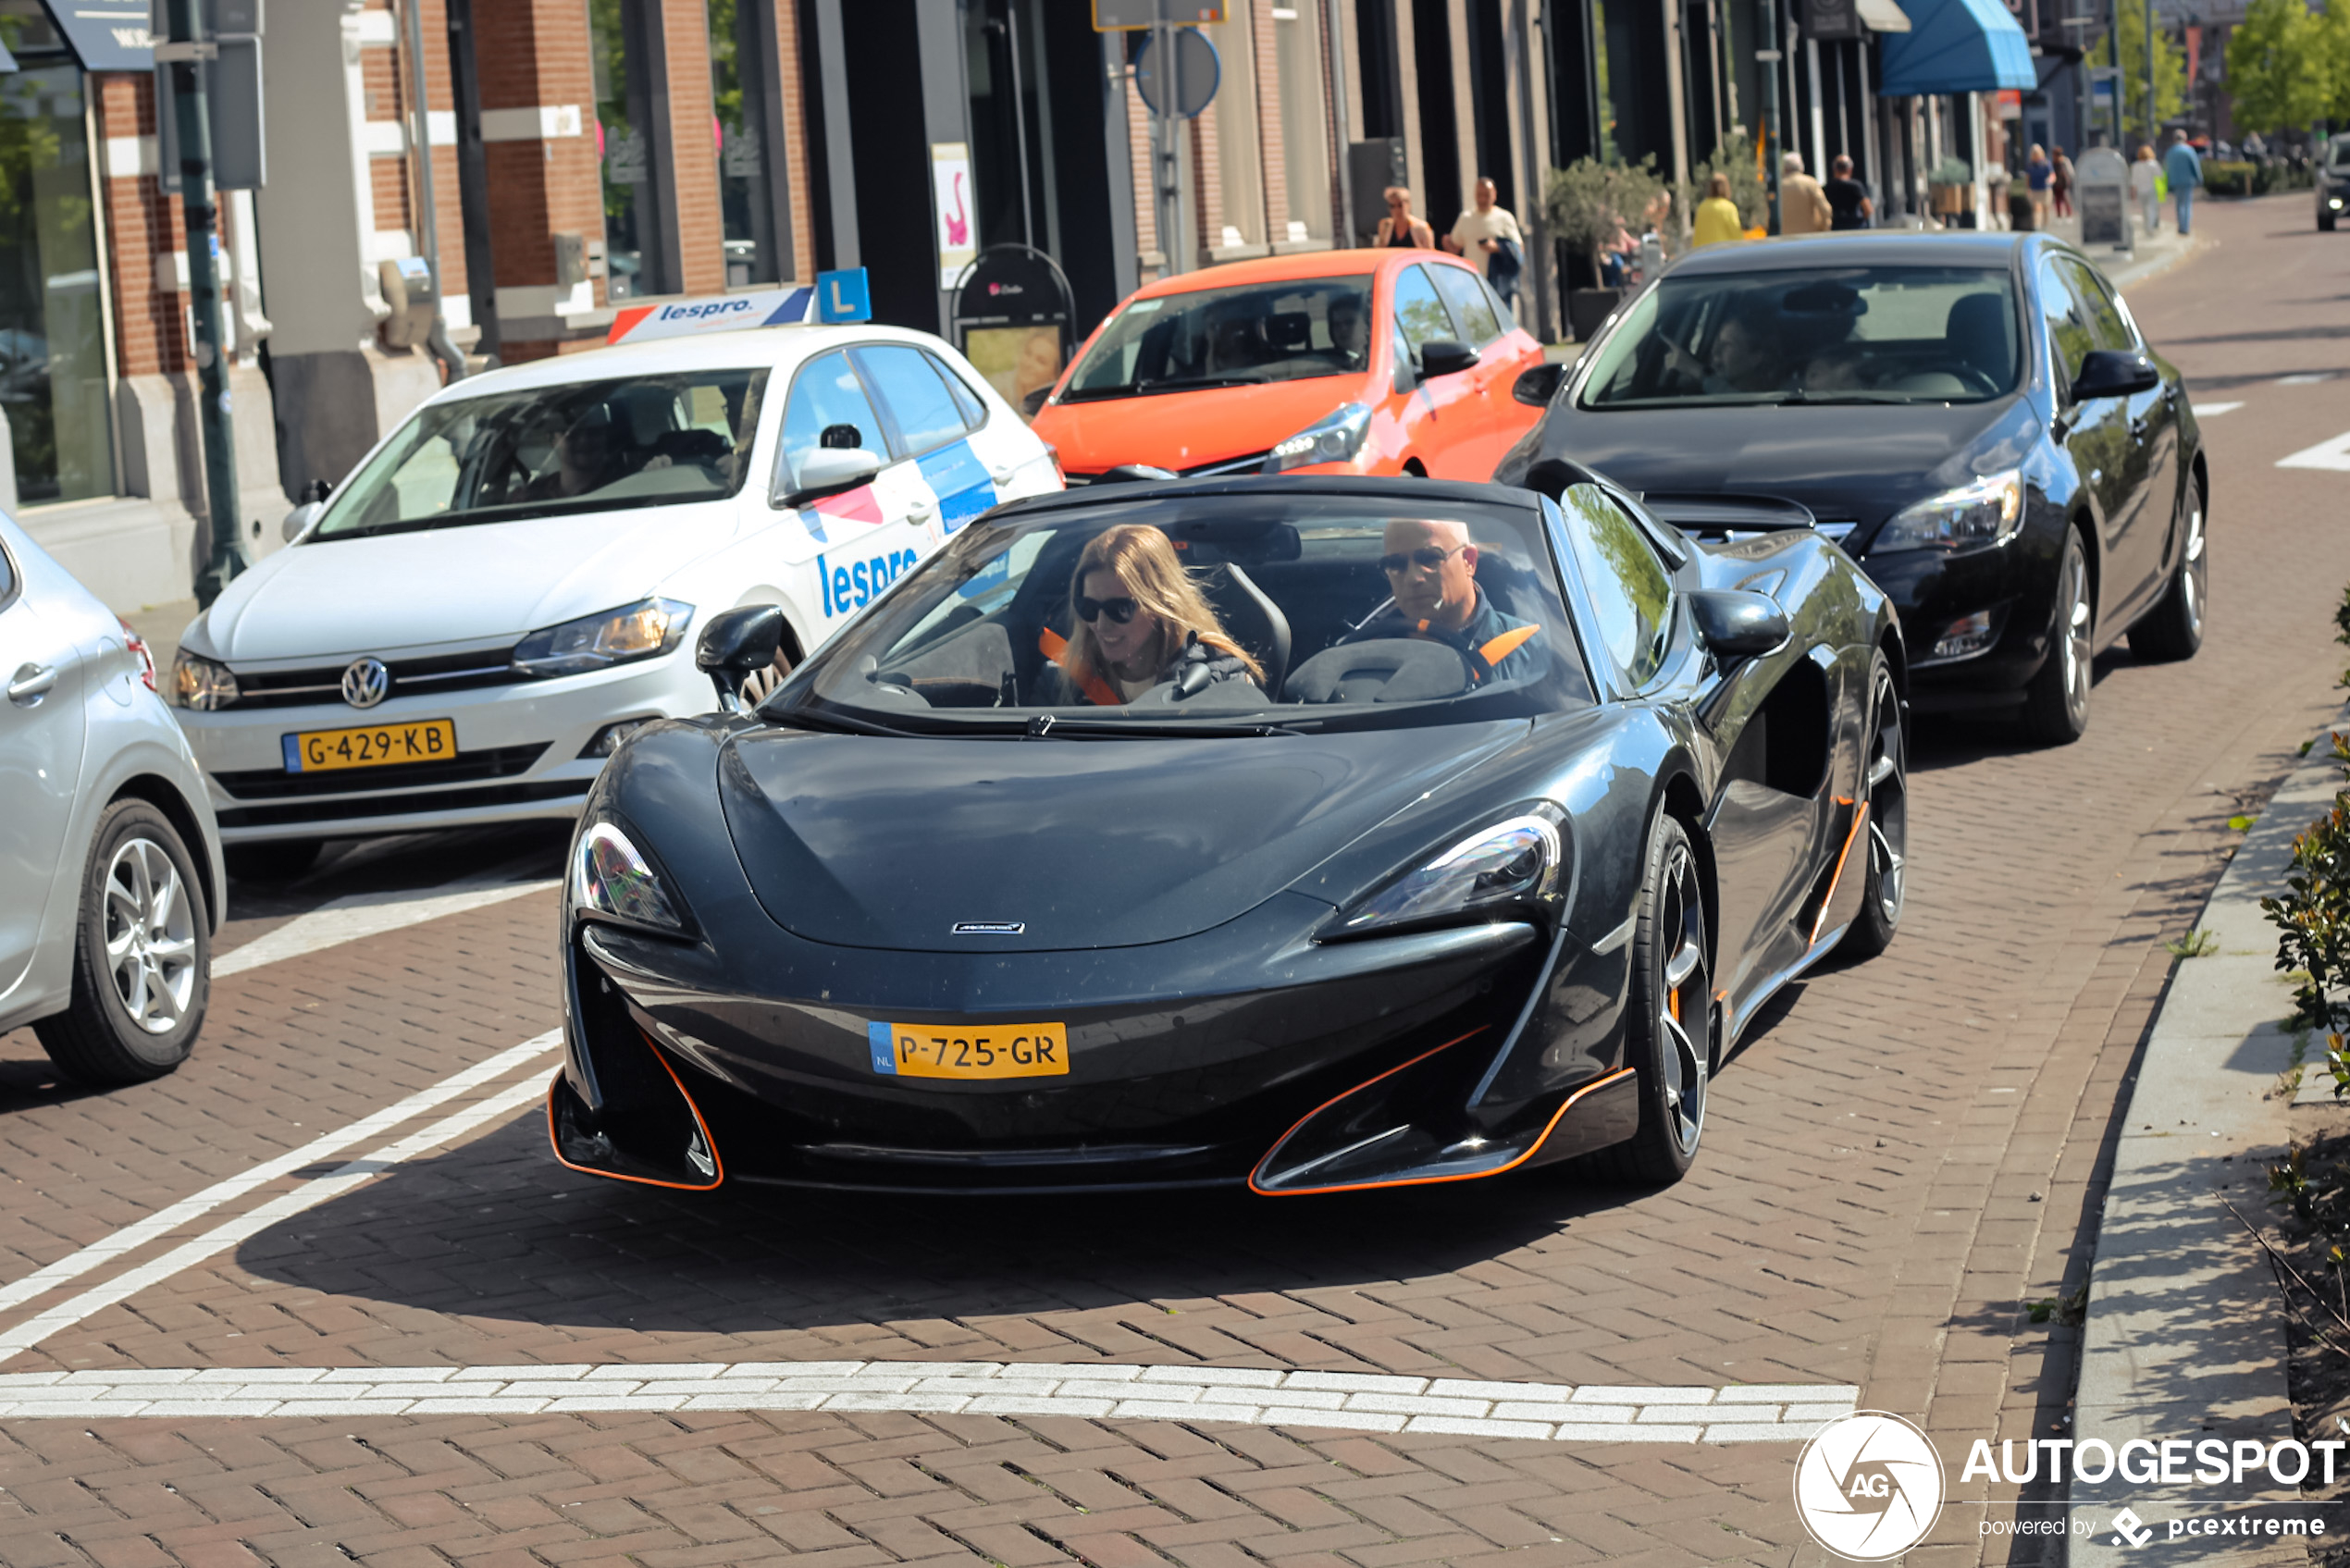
<point>640,630</point>
<point>1512,865</point>
<point>205,685</point>
<point>1973,516</point>
<point>1334,437</point>
<point>610,877</point>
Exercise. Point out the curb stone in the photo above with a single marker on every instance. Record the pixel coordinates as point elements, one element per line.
<point>2184,1336</point>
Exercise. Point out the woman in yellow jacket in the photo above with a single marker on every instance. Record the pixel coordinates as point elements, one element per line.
<point>1717,216</point>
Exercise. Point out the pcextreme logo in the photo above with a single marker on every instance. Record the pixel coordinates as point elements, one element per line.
<point>1869,1486</point>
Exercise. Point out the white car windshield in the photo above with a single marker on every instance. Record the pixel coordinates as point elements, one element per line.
<point>1296,609</point>
<point>1841,334</point>
<point>585,446</point>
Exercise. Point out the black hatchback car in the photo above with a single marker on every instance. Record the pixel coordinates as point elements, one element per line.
<point>2333,183</point>
<point>1975,416</point>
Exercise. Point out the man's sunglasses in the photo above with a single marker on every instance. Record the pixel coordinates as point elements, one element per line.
<point>1118,609</point>
<point>1428,556</point>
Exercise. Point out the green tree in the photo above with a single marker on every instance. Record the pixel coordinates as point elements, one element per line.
<point>1588,201</point>
<point>2332,27</point>
<point>2278,74</point>
<point>2170,69</point>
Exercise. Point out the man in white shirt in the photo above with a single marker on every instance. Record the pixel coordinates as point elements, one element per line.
<point>1478,234</point>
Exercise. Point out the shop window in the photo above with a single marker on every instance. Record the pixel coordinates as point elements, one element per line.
<point>632,144</point>
<point>742,84</point>
<point>1297,66</point>
<point>53,359</point>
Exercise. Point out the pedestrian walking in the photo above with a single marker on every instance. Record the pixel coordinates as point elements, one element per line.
<point>1848,199</point>
<point>2182,171</point>
<point>1803,207</point>
<point>2146,183</point>
<point>2038,172</point>
<point>1487,234</point>
<point>1399,227</point>
<point>2061,183</point>
<point>1717,216</point>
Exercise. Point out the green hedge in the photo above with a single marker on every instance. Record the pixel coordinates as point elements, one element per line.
<point>2253,180</point>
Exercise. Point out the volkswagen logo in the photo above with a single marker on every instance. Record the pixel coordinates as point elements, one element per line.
<point>366,682</point>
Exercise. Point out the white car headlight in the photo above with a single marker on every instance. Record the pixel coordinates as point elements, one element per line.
<point>1510,863</point>
<point>203,683</point>
<point>611,636</point>
<point>1334,437</point>
<point>1973,516</point>
<point>609,876</point>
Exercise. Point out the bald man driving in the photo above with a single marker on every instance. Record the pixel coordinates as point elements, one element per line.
<point>1431,572</point>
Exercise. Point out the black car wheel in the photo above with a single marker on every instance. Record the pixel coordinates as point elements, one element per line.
<point>2056,706</point>
<point>1885,790</point>
<point>142,956</point>
<point>2174,628</point>
<point>2325,223</point>
<point>1670,1040</point>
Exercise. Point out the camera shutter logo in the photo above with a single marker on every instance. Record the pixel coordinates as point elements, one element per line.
<point>1869,1486</point>
<point>366,681</point>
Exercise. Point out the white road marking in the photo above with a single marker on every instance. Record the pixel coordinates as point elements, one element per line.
<point>2334,454</point>
<point>362,915</point>
<point>226,1234</point>
<point>1784,1413</point>
<point>2306,378</point>
<point>164,1221</point>
<point>2208,411</point>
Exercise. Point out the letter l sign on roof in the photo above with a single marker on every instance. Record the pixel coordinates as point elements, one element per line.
<point>843,296</point>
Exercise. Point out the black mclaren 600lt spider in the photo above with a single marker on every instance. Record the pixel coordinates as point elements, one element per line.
<point>1427,830</point>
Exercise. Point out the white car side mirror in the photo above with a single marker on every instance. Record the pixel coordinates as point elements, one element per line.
<point>829,469</point>
<point>300,519</point>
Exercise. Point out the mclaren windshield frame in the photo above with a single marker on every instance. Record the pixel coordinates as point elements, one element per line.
<point>921,658</point>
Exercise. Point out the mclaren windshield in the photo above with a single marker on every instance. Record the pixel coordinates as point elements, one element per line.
<point>1829,335</point>
<point>583,446</point>
<point>1204,614</point>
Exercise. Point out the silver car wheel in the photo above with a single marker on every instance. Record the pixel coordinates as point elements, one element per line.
<point>151,937</point>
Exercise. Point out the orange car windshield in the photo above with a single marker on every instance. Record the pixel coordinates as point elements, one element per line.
<point>1233,337</point>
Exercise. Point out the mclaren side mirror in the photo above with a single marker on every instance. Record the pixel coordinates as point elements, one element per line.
<point>1539,385</point>
<point>736,645</point>
<point>298,521</point>
<point>2115,373</point>
<point>829,470</point>
<point>1443,356</point>
<point>1736,625</point>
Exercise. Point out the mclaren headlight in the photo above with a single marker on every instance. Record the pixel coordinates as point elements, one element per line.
<point>1512,866</point>
<point>611,636</point>
<point>1973,516</point>
<point>1334,437</point>
<point>201,683</point>
<point>610,877</point>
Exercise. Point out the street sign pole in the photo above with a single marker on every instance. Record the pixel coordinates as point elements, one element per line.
<point>185,53</point>
<point>1170,67</point>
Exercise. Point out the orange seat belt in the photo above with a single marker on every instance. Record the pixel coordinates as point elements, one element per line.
<point>1096,689</point>
<point>1509,642</point>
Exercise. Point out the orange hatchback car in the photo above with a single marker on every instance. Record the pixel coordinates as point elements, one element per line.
<point>1336,362</point>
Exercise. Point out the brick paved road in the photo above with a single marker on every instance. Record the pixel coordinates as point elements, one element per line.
<point>1899,1163</point>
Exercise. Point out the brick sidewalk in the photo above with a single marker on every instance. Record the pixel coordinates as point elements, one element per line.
<point>1901,1160</point>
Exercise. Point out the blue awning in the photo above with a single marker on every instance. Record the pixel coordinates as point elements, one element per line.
<point>1954,46</point>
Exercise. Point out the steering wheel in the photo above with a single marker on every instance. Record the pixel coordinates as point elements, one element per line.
<point>1978,380</point>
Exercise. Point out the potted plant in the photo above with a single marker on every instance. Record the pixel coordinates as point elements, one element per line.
<point>1588,204</point>
<point>1950,190</point>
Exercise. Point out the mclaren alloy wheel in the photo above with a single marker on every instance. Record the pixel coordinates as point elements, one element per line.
<point>1672,1038</point>
<point>1884,786</point>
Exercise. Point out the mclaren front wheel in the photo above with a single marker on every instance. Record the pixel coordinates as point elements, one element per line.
<point>1671,1043</point>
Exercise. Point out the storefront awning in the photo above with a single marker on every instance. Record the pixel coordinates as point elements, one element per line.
<point>106,35</point>
<point>1883,15</point>
<point>1956,46</point>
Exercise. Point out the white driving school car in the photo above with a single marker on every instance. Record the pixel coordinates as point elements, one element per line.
<point>509,582</point>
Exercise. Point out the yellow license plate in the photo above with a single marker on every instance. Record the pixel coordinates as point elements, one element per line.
<point>372,745</point>
<point>1001,1050</point>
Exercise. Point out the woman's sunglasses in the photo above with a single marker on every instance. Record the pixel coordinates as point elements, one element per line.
<point>1118,609</point>
<point>1428,556</point>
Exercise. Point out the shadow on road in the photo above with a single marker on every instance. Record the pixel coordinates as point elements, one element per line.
<point>496,1229</point>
